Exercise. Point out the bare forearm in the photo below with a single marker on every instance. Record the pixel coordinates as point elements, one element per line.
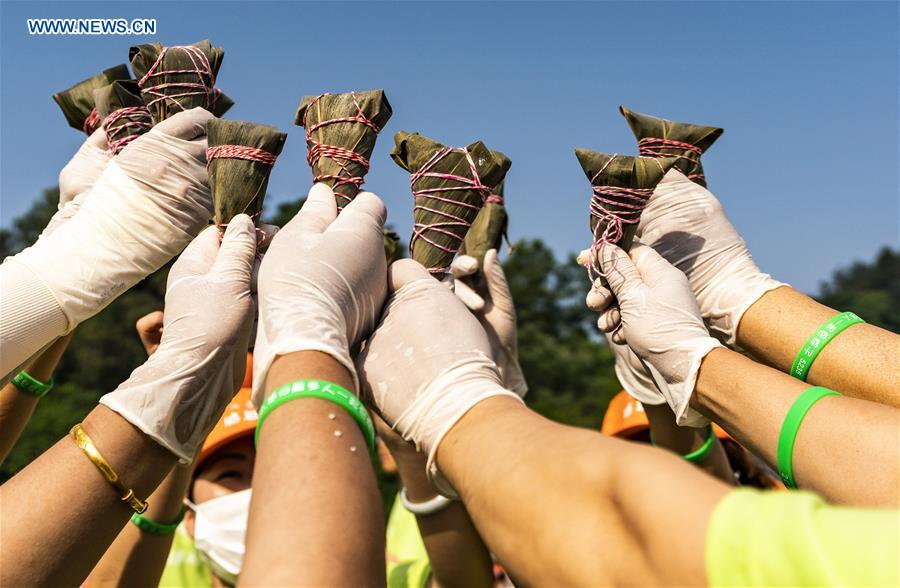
<point>137,558</point>
<point>685,440</point>
<point>457,555</point>
<point>63,485</point>
<point>847,449</point>
<point>591,487</point>
<point>860,362</point>
<point>16,407</point>
<point>316,517</point>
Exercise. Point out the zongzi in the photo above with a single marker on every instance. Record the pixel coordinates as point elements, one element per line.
<point>240,157</point>
<point>658,137</point>
<point>622,185</point>
<point>77,103</point>
<point>449,185</point>
<point>124,116</point>
<point>341,130</point>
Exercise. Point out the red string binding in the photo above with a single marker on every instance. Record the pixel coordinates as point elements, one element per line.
<point>422,231</point>
<point>340,155</point>
<point>134,117</point>
<point>91,123</point>
<point>657,147</point>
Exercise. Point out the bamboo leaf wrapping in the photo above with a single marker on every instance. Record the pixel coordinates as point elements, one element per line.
<point>341,130</point>
<point>179,78</point>
<point>489,227</point>
<point>621,185</point>
<point>658,137</point>
<point>122,112</point>
<point>449,185</point>
<point>240,158</point>
<point>77,103</point>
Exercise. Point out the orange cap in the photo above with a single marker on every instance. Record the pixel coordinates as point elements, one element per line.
<point>624,417</point>
<point>239,418</point>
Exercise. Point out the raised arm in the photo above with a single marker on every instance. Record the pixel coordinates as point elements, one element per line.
<point>143,209</point>
<point>159,415</point>
<point>315,517</point>
<point>564,506</point>
<point>20,397</point>
<point>659,319</point>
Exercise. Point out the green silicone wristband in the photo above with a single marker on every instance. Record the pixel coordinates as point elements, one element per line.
<point>31,386</point>
<point>154,528</point>
<point>702,452</point>
<point>326,391</point>
<point>791,426</point>
<point>823,335</point>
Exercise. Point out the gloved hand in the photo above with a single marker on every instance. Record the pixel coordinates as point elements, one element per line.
<point>495,310</point>
<point>634,376</point>
<point>79,176</point>
<point>427,363</point>
<point>660,321</point>
<point>685,224</point>
<point>177,396</point>
<point>146,206</point>
<point>322,283</point>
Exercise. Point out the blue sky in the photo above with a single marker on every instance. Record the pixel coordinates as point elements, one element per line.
<point>807,93</point>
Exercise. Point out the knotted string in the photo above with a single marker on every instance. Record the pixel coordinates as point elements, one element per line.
<point>494,198</point>
<point>134,117</point>
<point>240,152</point>
<point>91,123</point>
<point>205,84</point>
<point>444,227</point>
<point>656,147</point>
<point>341,156</point>
<point>629,203</point>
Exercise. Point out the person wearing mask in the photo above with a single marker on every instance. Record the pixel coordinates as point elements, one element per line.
<point>193,533</point>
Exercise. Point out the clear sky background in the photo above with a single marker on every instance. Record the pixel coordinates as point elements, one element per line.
<point>807,93</point>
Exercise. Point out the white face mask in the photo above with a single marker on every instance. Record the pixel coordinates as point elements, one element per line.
<point>219,528</point>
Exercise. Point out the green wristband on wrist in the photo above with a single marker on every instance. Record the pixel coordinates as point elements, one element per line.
<point>702,452</point>
<point>823,335</point>
<point>154,528</point>
<point>326,391</point>
<point>31,386</point>
<point>791,426</point>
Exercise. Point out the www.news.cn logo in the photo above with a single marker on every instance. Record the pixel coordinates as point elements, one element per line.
<point>91,26</point>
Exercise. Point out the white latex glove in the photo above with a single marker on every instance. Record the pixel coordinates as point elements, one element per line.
<point>427,363</point>
<point>660,320</point>
<point>177,396</point>
<point>79,176</point>
<point>634,376</point>
<point>146,206</point>
<point>685,224</point>
<point>496,311</point>
<point>322,283</point>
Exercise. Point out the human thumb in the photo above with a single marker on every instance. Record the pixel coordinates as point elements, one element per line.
<point>620,272</point>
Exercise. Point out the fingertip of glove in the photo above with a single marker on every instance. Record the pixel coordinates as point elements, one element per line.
<point>188,124</point>
<point>370,204</point>
<point>406,271</point>
<point>463,265</point>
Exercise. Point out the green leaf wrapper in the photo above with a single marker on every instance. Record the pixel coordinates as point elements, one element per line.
<point>117,96</point>
<point>489,227</point>
<point>344,168</point>
<point>178,89</point>
<point>652,134</point>
<point>238,185</point>
<point>77,102</point>
<point>412,152</point>
<point>623,171</point>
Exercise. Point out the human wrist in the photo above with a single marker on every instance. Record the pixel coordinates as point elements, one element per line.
<point>307,365</point>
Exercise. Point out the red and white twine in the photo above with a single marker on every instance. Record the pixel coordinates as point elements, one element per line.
<point>91,123</point>
<point>240,152</point>
<point>425,232</point>
<point>628,203</point>
<point>657,147</point>
<point>172,91</point>
<point>340,155</point>
<point>132,117</point>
